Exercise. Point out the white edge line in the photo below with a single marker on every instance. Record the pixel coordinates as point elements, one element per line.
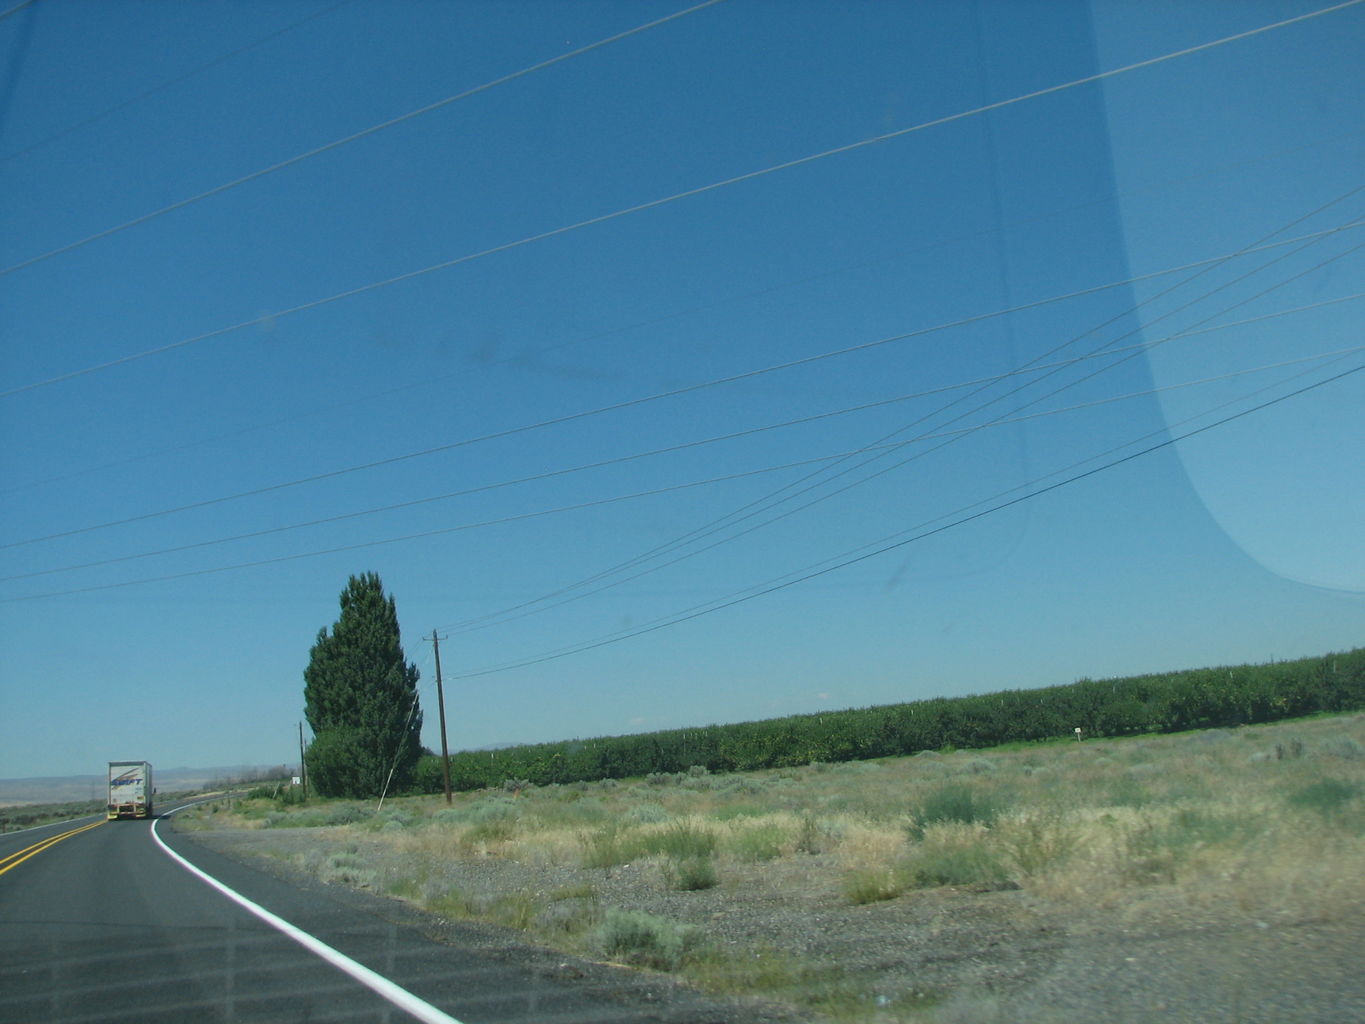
<point>398,996</point>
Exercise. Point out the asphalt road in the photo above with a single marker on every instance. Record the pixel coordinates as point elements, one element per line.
<point>104,925</point>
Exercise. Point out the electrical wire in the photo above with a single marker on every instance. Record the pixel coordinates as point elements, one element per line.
<point>684,390</point>
<point>16,9</point>
<point>221,59</point>
<point>765,589</point>
<point>363,133</point>
<point>656,491</point>
<point>765,428</point>
<point>775,499</point>
<point>638,208</point>
<point>430,381</point>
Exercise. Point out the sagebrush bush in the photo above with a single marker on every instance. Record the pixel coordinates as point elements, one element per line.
<point>690,874</point>
<point>393,821</point>
<point>346,868</point>
<point>1344,747</point>
<point>1327,796</point>
<point>641,938</point>
<point>493,830</point>
<point>568,916</point>
<point>347,814</point>
<point>647,814</point>
<point>481,812</point>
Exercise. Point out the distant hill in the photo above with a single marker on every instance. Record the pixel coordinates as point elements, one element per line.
<point>73,788</point>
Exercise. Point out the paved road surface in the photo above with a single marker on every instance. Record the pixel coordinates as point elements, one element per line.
<point>104,926</point>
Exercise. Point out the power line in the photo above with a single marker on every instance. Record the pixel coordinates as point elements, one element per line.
<point>72,129</point>
<point>1108,346</point>
<point>765,428</point>
<point>638,208</point>
<point>954,434</point>
<point>16,9</point>
<point>774,499</point>
<point>575,591</point>
<point>686,389</point>
<point>433,380</point>
<point>1094,458</point>
<point>765,589</point>
<point>363,133</point>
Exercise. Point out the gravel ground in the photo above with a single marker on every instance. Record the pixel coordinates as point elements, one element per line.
<point>999,956</point>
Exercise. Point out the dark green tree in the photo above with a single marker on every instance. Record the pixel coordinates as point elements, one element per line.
<point>360,698</point>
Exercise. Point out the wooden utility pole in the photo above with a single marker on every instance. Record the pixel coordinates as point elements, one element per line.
<point>303,768</point>
<point>441,707</point>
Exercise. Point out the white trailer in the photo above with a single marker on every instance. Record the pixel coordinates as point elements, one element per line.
<point>130,789</point>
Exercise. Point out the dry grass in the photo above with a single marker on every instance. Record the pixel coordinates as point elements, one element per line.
<point>1261,824</point>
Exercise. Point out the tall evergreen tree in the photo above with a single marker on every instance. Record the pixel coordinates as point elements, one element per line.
<point>360,698</point>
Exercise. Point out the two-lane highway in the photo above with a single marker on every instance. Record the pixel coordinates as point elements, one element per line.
<point>99,923</point>
<point>103,926</point>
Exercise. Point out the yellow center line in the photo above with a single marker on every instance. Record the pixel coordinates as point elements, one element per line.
<point>15,859</point>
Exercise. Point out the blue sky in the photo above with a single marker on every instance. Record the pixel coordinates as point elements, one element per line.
<point>561,318</point>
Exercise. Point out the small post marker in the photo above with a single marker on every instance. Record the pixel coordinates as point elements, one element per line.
<point>1078,734</point>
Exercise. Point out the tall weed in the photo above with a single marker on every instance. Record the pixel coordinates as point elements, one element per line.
<point>953,802</point>
<point>1036,843</point>
<point>765,841</point>
<point>961,856</point>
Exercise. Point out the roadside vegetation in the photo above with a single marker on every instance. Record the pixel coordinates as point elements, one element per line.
<point>31,815</point>
<point>1260,826</point>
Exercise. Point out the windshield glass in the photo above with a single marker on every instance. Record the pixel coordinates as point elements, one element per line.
<point>671,367</point>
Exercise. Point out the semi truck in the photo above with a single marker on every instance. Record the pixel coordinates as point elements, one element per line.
<point>130,789</point>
